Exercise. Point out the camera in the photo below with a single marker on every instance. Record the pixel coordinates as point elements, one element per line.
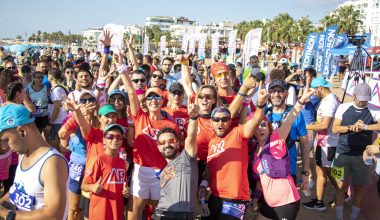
<point>357,40</point>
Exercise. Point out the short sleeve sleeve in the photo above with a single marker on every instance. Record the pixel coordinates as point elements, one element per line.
<point>92,174</point>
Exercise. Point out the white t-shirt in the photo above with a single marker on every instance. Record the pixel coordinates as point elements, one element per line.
<point>57,94</point>
<point>327,108</point>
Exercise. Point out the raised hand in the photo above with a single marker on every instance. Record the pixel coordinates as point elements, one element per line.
<point>107,38</point>
<point>193,110</point>
<point>262,97</point>
<point>97,187</point>
<point>249,83</point>
<point>306,95</point>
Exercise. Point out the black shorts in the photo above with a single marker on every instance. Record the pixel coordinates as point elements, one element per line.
<point>288,211</point>
<point>84,205</point>
<point>217,208</point>
<point>324,156</point>
<point>41,122</point>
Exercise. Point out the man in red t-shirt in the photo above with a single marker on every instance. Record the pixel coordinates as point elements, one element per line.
<point>227,162</point>
<point>145,184</point>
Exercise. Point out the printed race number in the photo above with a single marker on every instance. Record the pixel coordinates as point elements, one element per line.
<point>22,200</point>
<point>337,173</point>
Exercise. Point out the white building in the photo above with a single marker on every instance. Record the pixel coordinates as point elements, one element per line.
<point>165,22</point>
<point>223,28</point>
<point>370,10</point>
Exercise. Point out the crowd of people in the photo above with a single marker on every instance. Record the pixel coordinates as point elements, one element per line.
<point>130,136</point>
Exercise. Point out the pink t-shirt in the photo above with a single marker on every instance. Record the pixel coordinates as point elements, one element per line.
<point>279,191</point>
<point>5,162</point>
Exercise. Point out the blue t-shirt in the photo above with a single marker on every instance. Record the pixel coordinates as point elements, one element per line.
<point>298,130</point>
<point>77,146</point>
<point>310,109</point>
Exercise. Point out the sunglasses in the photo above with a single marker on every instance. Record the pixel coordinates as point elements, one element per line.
<point>222,119</point>
<point>207,96</point>
<point>155,97</point>
<point>179,93</point>
<point>84,101</point>
<point>157,76</point>
<point>276,90</point>
<point>114,99</point>
<point>169,141</point>
<point>110,137</point>
<point>69,72</point>
<point>219,75</point>
<point>138,80</point>
<point>11,68</point>
<point>263,124</point>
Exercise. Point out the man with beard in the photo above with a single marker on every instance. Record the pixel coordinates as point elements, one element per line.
<point>166,67</point>
<point>227,161</point>
<point>276,114</point>
<point>178,180</point>
<point>84,81</point>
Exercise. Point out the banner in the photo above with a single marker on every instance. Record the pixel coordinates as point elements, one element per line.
<point>117,41</point>
<point>214,45</point>
<point>185,43</point>
<point>350,84</point>
<point>162,45</point>
<point>202,45</point>
<point>329,42</point>
<point>340,41</point>
<point>319,52</point>
<point>308,51</point>
<point>232,43</point>
<point>252,43</point>
<point>375,88</point>
<point>146,45</point>
<point>192,44</point>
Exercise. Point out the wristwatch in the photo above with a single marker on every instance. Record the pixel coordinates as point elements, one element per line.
<point>11,215</point>
<point>305,173</point>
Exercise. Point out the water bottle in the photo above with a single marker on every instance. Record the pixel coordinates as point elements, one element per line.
<point>306,192</point>
<point>368,161</point>
<point>204,204</point>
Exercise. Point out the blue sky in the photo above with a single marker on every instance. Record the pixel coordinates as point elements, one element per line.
<point>26,16</point>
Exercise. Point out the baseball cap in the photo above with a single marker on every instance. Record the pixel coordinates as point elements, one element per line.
<point>14,115</point>
<point>118,92</point>
<point>220,110</point>
<point>362,92</point>
<point>111,126</point>
<point>320,81</point>
<point>176,87</point>
<point>277,82</point>
<point>106,109</point>
<point>293,65</point>
<point>154,90</point>
<point>219,67</point>
<point>84,92</point>
<point>283,61</point>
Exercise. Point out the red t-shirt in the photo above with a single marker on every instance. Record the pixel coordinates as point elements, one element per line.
<point>178,116</point>
<point>145,150</point>
<point>109,203</point>
<point>94,146</point>
<point>227,161</point>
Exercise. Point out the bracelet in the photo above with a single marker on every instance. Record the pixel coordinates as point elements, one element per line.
<point>260,106</point>
<point>301,103</point>
<point>245,104</point>
<point>241,94</point>
<point>194,118</point>
<point>106,50</point>
<point>204,183</point>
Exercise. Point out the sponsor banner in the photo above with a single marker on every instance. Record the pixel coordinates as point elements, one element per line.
<point>341,41</point>
<point>146,45</point>
<point>185,43</point>
<point>192,44</point>
<point>320,45</point>
<point>252,43</point>
<point>308,51</point>
<point>202,45</point>
<point>329,42</point>
<point>214,45</point>
<point>117,41</point>
<point>162,45</point>
<point>232,43</point>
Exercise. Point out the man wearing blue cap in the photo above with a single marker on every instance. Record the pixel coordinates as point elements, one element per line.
<point>326,139</point>
<point>40,186</point>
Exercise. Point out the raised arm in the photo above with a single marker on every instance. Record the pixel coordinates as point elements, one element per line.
<point>236,104</point>
<point>84,125</point>
<point>186,75</point>
<point>134,100</point>
<point>285,127</point>
<point>131,52</point>
<point>107,44</point>
<point>251,126</point>
<point>192,130</point>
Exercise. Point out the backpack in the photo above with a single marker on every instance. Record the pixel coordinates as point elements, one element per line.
<point>276,124</point>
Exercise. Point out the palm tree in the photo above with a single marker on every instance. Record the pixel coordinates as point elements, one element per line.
<point>305,26</point>
<point>284,25</point>
<point>346,17</point>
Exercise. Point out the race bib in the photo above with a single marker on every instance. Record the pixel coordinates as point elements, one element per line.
<point>234,209</point>
<point>22,200</point>
<point>337,173</point>
<point>76,171</point>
